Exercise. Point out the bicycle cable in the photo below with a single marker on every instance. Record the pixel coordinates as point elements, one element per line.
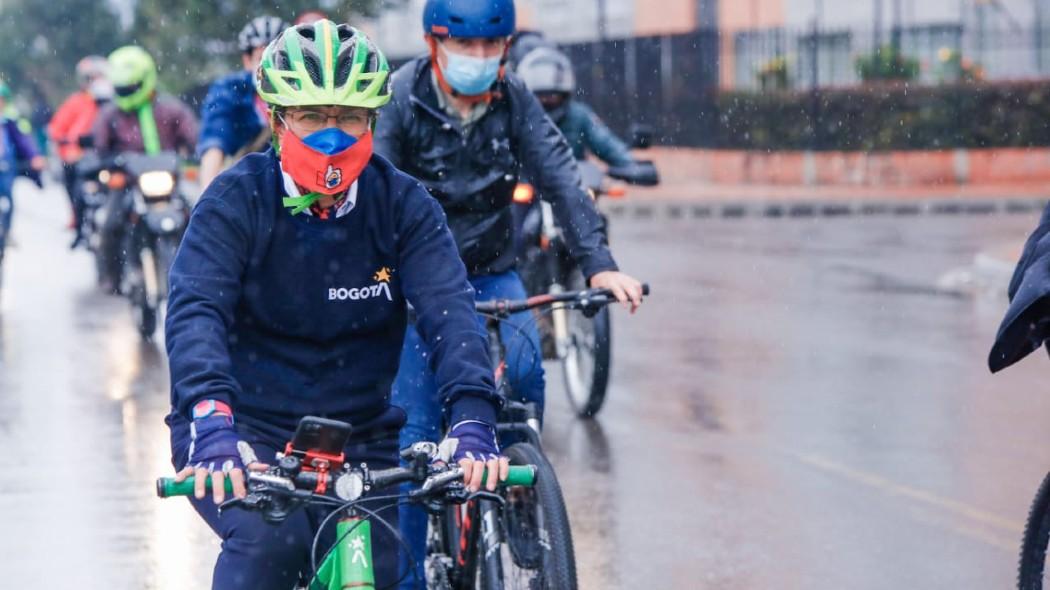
<point>519,332</point>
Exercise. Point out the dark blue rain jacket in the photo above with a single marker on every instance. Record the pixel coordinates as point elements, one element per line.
<point>1027,320</point>
<point>229,119</point>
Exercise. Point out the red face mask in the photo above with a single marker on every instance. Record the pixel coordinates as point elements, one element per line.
<point>319,172</point>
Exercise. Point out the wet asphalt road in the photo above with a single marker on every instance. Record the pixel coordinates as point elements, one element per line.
<point>802,404</point>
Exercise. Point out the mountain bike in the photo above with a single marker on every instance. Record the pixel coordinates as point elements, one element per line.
<point>539,548</point>
<point>317,476</point>
<point>1032,570</point>
<point>582,344</point>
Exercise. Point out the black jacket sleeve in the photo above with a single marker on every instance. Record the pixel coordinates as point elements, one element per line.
<point>549,162</point>
<point>205,287</point>
<point>435,283</point>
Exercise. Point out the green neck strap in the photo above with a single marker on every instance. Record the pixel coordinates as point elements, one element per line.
<point>148,128</point>
<point>300,204</point>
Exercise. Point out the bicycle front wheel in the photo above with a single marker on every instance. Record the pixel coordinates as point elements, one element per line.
<point>538,551</point>
<point>1032,573</point>
<point>588,356</point>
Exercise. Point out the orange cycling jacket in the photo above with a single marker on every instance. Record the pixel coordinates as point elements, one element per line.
<point>74,118</point>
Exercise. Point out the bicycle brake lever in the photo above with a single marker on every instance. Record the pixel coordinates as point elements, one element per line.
<point>487,495</point>
<point>232,503</point>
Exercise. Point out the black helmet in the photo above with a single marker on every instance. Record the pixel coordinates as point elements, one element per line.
<point>259,32</point>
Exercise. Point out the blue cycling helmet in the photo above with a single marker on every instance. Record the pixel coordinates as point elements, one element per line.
<point>469,18</point>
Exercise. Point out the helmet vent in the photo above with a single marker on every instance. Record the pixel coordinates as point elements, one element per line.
<point>346,64</point>
<point>313,68</point>
<point>307,32</point>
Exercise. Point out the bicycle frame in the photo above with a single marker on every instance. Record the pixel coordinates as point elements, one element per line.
<point>462,545</point>
<point>525,420</point>
<point>349,565</point>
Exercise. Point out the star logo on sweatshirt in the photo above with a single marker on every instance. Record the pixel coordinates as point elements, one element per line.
<point>382,275</point>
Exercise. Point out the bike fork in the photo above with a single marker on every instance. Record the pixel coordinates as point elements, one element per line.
<point>491,545</point>
<point>559,316</point>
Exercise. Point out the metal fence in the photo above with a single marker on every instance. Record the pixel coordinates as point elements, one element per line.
<point>940,50</point>
<point>667,82</point>
<point>671,82</point>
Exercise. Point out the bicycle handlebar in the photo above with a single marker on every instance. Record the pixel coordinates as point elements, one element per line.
<point>584,298</point>
<point>520,475</point>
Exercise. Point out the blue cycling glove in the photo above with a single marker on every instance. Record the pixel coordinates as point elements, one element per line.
<point>215,445</point>
<point>469,439</point>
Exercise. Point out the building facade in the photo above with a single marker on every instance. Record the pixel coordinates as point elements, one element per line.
<point>813,41</point>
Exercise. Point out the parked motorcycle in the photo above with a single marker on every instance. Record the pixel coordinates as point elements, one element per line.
<point>146,199</point>
<point>583,345</point>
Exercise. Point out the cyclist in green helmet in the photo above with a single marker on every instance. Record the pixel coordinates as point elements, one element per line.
<point>289,298</point>
<point>139,120</point>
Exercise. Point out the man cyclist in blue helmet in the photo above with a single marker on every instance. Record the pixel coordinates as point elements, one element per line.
<point>466,129</point>
<point>234,118</point>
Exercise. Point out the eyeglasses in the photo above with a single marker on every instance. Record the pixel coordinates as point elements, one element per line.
<point>310,121</point>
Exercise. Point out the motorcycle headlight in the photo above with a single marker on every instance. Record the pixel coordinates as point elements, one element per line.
<point>157,184</point>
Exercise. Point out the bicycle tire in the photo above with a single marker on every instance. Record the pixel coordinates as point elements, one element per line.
<point>536,524</point>
<point>1031,569</point>
<point>587,393</point>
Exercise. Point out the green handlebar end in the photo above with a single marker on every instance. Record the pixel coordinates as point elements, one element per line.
<point>167,487</point>
<point>519,475</point>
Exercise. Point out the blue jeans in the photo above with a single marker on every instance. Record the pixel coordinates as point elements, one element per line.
<point>416,392</point>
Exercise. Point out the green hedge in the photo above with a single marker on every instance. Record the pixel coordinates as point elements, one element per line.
<point>886,117</point>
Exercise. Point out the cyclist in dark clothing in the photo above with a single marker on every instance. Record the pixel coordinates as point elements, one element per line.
<point>141,121</point>
<point>548,73</point>
<point>467,129</point>
<point>16,150</point>
<point>289,296</point>
<point>234,118</point>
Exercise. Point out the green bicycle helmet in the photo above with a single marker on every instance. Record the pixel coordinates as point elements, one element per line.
<point>134,76</point>
<point>322,63</point>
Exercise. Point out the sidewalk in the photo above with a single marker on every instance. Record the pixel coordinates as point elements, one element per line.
<point>721,193</point>
<point>689,174</point>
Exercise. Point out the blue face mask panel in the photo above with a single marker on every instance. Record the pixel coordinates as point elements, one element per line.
<point>470,75</point>
<point>330,140</point>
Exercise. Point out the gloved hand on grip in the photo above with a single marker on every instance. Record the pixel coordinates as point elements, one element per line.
<point>472,445</point>
<point>217,450</point>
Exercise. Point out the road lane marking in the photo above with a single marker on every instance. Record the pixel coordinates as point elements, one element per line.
<point>896,489</point>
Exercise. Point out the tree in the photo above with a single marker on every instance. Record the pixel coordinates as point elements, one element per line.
<point>41,42</point>
<point>194,41</point>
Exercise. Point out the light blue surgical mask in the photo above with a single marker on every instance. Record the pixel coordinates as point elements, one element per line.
<point>470,75</point>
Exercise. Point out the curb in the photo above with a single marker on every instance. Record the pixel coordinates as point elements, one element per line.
<point>811,209</point>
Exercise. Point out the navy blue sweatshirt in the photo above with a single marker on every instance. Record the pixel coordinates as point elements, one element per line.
<point>283,316</point>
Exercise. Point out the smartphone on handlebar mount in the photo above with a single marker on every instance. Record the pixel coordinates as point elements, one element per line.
<point>319,436</point>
